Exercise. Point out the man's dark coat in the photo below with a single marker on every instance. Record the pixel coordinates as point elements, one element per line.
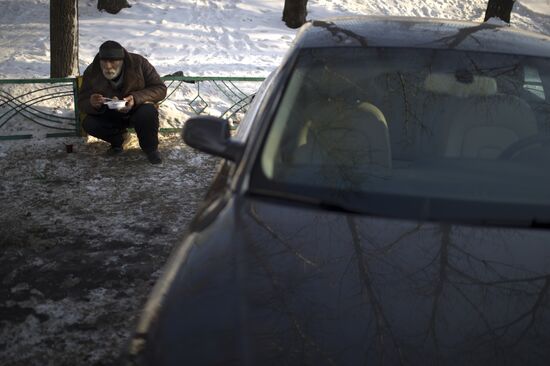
<point>140,79</point>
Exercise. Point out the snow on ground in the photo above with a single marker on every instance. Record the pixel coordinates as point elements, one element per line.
<point>82,236</point>
<point>540,6</point>
<point>208,37</point>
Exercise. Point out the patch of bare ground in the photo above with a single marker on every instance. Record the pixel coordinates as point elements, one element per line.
<point>83,237</point>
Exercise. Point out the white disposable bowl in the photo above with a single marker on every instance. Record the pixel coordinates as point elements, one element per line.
<point>116,104</point>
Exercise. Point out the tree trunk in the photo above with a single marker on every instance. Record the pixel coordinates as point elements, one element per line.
<point>112,6</point>
<point>63,38</point>
<point>501,9</point>
<point>294,13</point>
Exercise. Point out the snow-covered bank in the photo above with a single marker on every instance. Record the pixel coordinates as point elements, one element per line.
<point>208,37</point>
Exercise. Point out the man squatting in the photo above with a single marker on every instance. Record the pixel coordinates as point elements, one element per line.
<point>117,74</point>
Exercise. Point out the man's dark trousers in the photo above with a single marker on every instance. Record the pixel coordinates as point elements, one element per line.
<point>111,125</point>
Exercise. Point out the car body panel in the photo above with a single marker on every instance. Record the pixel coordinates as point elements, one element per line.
<point>270,283</point>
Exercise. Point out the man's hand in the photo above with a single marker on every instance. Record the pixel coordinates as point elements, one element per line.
<point>96,100</point>
<point>129,104</point>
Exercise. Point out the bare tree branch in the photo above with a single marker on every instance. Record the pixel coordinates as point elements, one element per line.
<point>282,294</point>
<point>259,221</point>
<point>382,323</point>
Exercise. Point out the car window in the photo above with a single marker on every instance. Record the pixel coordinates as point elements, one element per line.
<point>246,124</point>
<point>452,126</point>
<point>533,82</point>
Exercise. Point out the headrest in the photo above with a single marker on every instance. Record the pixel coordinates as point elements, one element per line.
<point>449,84</point>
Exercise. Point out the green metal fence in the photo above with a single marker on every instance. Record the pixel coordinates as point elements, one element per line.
<point>48,107</point>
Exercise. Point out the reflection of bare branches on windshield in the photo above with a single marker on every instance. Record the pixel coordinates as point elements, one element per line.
<point>531,314</point>
<point>401,93</point>
<point>463,33</point>
<point>508,73</point>
<point>487,303</point>
<point>476,308</point>
<point>501,282</point>
<point>282,295</point>
<point>352,83</point>
<point>263,224</point>
<point>443,263</point>
<point>382,323</point>
<point>494,71</point>
<point>339,32</point>
<point>488,264</point>
<point>449,275</point>
<point>389,246</point>
<point>406,106</point>
<point>342,143</point>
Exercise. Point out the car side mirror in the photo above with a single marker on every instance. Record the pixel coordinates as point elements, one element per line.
<point>211,135</point>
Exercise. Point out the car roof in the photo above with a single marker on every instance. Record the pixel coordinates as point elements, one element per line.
<point>386,31</point>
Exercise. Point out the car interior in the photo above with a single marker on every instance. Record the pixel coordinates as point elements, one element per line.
<point>461,133</point>
<point>450,123</point>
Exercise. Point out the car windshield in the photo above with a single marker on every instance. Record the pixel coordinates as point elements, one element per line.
<point>420,133</point>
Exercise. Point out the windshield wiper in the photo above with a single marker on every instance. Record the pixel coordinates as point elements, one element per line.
<point>322,203</point>
<point>411,209</point>
<point>527,223</point>
<point>338,207</point>
<point>540,224</point>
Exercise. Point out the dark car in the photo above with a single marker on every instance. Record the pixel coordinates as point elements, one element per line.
<point>386,201</point>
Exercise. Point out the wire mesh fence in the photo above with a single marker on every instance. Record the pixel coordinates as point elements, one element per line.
<point>31,108</point>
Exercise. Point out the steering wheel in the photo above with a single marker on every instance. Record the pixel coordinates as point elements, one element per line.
<point>522,144</point>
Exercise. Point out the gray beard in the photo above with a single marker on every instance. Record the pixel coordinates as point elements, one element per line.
<point>108,77</point>
<point>118,83</point>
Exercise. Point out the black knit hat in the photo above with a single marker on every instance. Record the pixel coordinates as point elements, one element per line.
<point>111,50</point>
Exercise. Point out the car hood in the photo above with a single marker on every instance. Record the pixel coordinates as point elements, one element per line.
<point>267,283</point>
